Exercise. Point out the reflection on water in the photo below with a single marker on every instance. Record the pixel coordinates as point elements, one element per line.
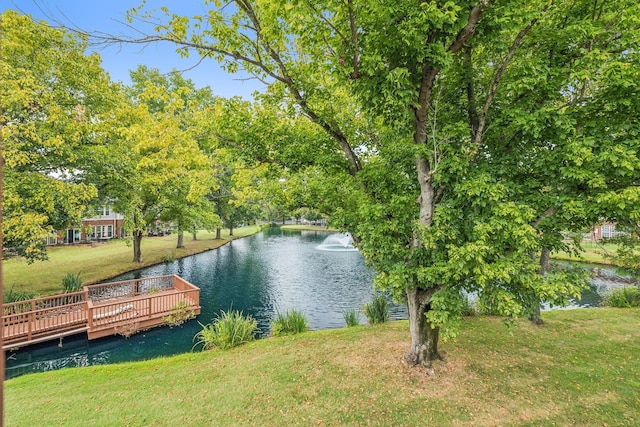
<point>272,271</point>
<point>603,280</point>
<point>260,275</point>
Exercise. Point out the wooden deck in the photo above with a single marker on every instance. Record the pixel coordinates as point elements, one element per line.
<point>99,310</point>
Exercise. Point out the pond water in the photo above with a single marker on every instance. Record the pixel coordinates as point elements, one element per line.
<point>318,273</point>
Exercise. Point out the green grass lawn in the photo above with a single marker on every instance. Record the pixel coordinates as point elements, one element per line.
<point>580,368</point>
<point>591,252</point>
<point>102,261</point>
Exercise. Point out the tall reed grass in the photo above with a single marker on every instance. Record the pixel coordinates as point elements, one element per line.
<point>625,297</point>
<point>292,322</point>
<point>351,317</point>
<point>377,310</point>
<point>230,329</point>
<point>71,282</point>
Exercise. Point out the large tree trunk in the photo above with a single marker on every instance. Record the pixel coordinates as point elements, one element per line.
<point>194,233</point>
<point>230,230</point>
<point>545,263</point>
<point>180,239</point>
<point>424,338</point>
<point>218,234</point>
<point>137,252</point>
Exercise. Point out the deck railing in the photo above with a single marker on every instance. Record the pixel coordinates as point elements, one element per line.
<point>142,306</point>
<point>125,289</point>
<point>97,307</point>
<point>36,317</point>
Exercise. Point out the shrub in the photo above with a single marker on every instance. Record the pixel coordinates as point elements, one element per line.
<point>71,282</point>
<point>179,313</point>
<point>376,311</point>
<point>467,307</point>
<point>292,322</point>
<point>625,297</point>
<point>351,317</point>
<point>169,257</point>
<point>13,295</point>
<point>228,330</point>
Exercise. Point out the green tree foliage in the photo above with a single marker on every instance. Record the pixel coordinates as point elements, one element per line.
<point>157,170</point>
<point>461,138</point>
<point>53,101</point>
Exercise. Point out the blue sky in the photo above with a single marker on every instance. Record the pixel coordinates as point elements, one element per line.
<point>108,16</point>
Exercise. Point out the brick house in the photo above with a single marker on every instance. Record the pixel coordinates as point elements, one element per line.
<point>105,225</point>
<point>604,231</point>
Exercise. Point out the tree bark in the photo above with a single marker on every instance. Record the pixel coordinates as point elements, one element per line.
<point>180,239</point>
<point>137,252</point>
<point>194,234</point>
<point>424,338</point>
<point>218,234</point>
<point>545,263</point>
<point>230,230</point>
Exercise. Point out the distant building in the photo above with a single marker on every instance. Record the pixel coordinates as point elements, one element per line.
<point>105,225</point>
<point>604,231</point>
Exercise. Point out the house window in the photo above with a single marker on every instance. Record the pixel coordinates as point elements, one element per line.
<point>102,232</point>
<point>104,211</point>
<point>608,231</point>
<point>72,235</point>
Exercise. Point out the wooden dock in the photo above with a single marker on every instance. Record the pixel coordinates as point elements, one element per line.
<point>99,310</point>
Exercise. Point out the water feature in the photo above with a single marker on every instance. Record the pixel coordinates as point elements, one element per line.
<point>319,273</point>
<point>337,242</point>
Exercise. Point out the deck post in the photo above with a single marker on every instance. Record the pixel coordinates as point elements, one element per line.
<point>32,321</point>
<point>88,306</point>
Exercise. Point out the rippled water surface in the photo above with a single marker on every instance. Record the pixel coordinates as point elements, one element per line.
<point>273,271</point>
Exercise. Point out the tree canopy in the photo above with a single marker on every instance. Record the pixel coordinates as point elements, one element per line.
<point>457,141</point>
<point>52,100</point>
<point>158,171</point>
<point>467,131</point>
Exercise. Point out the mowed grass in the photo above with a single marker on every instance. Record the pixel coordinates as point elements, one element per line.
<point>592,252</point>
<point>102,261</point>
<point>580,368</point>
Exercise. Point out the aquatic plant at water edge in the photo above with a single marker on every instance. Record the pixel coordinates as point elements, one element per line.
<point>351,317</point>
<point>625,297</point>
<point>376,311</point>
<point>71,282</point>
<point>179,313</point>
<point>468,308</point>
<point>13,295</point>
<point>230,329</point>
<point>292,322</point>
<point>169,257</point>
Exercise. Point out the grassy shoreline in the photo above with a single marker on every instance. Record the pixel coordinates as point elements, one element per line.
<point>101,261</point>
<point>579,368</point>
